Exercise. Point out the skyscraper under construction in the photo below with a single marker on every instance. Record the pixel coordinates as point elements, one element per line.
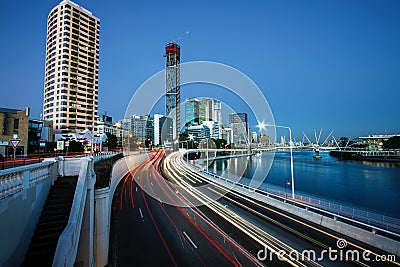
<point>173,98</point>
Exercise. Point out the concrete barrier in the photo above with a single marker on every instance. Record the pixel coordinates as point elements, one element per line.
<point>103,202</point>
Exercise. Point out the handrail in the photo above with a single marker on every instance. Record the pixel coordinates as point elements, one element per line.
<point>17,179</point>
<point>67,246</point>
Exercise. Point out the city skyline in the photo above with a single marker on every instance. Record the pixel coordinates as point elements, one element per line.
<point>330,65</point>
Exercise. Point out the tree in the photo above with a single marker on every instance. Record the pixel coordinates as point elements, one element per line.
<point>183,137</point>
<point>392,143</point>
<point>111,141</point>
<point>220,143</point>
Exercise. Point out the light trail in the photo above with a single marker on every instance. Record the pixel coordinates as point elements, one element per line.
<point>182,167</point>
<point>251,230</point>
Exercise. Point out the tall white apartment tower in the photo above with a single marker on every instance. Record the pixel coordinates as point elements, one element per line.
<point>71,69</point>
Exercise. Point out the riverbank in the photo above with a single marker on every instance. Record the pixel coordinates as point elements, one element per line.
<point>367,155</point>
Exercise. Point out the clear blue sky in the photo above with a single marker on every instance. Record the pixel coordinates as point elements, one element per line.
<point>330,64</point>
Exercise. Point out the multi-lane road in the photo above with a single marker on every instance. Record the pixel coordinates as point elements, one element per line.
<point>148,232</point>
<point>171,215</point>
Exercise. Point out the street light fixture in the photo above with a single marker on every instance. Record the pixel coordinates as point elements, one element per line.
<point>262,126</point>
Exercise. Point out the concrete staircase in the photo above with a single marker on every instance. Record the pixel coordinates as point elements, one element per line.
<point>52,221</point>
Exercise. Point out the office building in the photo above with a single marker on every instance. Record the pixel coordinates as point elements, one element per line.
<point>71,68</point>
<point>40,134</point>
<point>226,134</point>
<point>254,137</point>
<point>283,141</point>
<point>205,111</point>
<point>156,129</point>
<point>150,129</point>
<point>162,129</point>
<point>198,110</point>
<point>122,130</point>
<point>215,129</point>
<point>209,110</point>
<point>263,140</point>
<point>105,125</point>
<point>200,133</point>
<point>238,123</point>
<point>138,130</point>
<point>191,111</point>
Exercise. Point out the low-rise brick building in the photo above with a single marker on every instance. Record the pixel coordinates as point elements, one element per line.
<point>13,122</point>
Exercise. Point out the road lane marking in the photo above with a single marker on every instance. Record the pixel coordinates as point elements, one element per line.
<point>190,240</point>
<point>141,214</point>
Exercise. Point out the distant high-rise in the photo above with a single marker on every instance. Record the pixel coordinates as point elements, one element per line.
<point>209,110</point>
<point>105,125</point>
<point>71,68</point>
<point>238,123</point>
<point>173,98</point>
<point>199,110</point>
<point>162,129</point>
<point>138,128</point>
<point>191,111</point>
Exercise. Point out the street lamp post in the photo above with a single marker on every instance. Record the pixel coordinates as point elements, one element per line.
<point>262,125</point>
<point>287,182</point>
<point>187,141</point>
<point>207,154</point>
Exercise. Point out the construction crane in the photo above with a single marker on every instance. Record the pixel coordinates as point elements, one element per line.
<point>180,37</point>
<point>174,41</point>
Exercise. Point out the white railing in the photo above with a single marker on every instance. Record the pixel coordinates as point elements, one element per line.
<point>67,246</point>
<point>17,179</point>
<point>23,192</point>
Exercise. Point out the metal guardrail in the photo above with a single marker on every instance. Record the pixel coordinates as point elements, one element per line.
<point>374,225</point>
<point>371,218</point>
